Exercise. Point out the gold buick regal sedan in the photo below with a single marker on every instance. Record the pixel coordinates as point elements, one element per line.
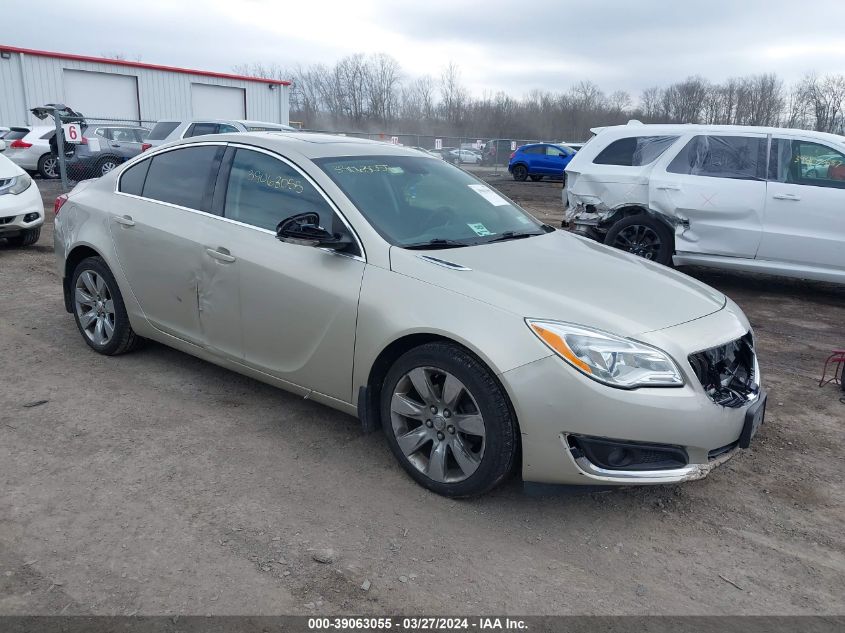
<point>393,286</point>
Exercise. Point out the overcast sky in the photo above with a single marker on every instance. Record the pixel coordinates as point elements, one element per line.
<point>508,45</point>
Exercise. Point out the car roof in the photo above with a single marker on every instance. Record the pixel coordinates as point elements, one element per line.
<point>310,144</point>
<point>249,122</point>
<point>641,129</point>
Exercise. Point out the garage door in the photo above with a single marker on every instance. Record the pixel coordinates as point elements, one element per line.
<point>217,102</point>
<point>106,95</point>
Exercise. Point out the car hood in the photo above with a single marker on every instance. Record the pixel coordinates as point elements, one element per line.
<point>565,277</point>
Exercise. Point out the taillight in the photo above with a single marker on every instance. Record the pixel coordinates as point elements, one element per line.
<point>145,146</point>
<point>19,144</point>
<point>84,141</point>
<point>513,154</point>
<point>57,205</point>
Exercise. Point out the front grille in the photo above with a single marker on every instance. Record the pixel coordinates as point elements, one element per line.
<point>7,220</point>
<point>727,372</point>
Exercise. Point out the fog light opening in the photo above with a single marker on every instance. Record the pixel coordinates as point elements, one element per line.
<point>31,217</point>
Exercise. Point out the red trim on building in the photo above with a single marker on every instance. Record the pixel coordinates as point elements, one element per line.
<point>123,62</point>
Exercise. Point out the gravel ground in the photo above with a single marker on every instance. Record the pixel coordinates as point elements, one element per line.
<point>155,483</point>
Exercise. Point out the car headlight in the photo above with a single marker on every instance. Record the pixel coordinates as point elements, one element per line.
<point>609,359</point>
<point>16,184</point>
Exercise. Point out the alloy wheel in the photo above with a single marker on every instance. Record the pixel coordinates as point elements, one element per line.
<point>437,424</point>
<point>94,307</point>
<point>106,167</point>
<point>51,167</point>
<point>640,240</point>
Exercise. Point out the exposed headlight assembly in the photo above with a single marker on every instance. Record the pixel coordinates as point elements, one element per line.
<point>609,359</point>
<point>15,184</point>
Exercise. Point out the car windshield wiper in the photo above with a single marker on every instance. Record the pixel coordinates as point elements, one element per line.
<point>436,243</point>
<point>511,235</point>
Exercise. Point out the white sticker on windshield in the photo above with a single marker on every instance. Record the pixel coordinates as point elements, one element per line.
<point>480,229</point>
<point>489,195</point>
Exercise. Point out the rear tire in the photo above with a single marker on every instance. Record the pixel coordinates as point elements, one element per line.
<point>459,439</point>
<point>105,166</point>
<point>643,236</point>
<point>99,310</point>
<point>520,172</point>
<point>48,166</point>
<point>26,238</point>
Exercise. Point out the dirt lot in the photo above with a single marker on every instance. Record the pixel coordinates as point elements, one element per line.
<point>157,483</point>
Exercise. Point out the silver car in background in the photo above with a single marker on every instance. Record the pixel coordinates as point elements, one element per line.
<point>174,130</point>
<point>398,288</point>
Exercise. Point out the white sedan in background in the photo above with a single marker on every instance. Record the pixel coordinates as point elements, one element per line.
<point>21,210</point>
<point>464,156</point>
<point>33,153</point>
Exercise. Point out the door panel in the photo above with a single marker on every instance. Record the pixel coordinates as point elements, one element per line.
<point>161,255</point>
<point>805,206</point>
<point>287,310</point>
<point>299,307</point>
<point>716,185</point>
<point>159,237</point>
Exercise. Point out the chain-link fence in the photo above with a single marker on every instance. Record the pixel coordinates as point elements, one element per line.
<point>465,150</point>
<point>93,146</point>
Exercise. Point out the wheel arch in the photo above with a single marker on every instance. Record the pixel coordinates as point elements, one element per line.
<point>369,395</point>
<point>628,210</point>
<point>74,257</point>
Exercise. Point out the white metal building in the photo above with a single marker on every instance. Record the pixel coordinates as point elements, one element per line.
<point>118,89</point>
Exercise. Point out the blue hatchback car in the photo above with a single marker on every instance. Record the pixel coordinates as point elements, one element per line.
<point>539,159</point>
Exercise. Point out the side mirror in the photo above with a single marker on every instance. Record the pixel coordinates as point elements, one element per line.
<point>304,229</point>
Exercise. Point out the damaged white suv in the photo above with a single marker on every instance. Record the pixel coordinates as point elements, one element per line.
<point>744,198</point>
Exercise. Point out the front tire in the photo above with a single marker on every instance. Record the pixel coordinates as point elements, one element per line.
<point>643,236</point>
<point>448,421</point>
<point>520,173</point>
<point>27,237</point>
<point>99,310</point>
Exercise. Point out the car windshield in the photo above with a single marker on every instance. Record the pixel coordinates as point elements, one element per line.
<point>415,202</point>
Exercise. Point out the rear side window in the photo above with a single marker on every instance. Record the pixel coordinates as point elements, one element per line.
<point>14,135</point>
<point>536,149</point>
<point>198,129</point>
<point>162,129</point>
<point>182,176</point>
<point>634,151</point>
<point>132,180</point>
<point>738,157</point>
<point>263,191</point>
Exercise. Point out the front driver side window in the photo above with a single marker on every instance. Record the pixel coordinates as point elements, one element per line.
<point>263,191</point>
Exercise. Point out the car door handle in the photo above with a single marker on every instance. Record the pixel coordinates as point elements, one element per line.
<point>668,187</point>
<point>786,196</point>
<point>125,220</point>
<point>115,145</point>
<point>221,254</point>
